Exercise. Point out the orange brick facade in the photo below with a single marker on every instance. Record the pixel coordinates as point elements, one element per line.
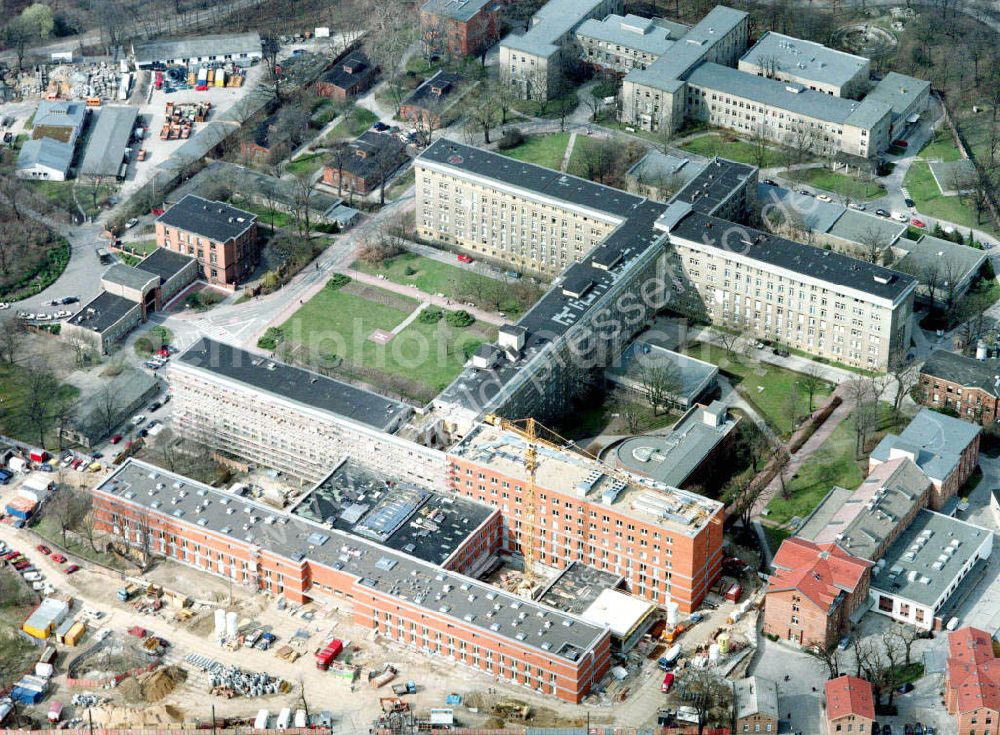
<point>393,617</point>
<point>972,682</point>
<point>793,617</point>
<point>224,263</point>
<point>659,564</point>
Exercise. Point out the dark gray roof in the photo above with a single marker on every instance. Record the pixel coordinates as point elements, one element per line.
<point>715,184</point>
<point>936,441</point>
<point>531,178</point>
<point>355,67</point>
<point>438,93</point>
<point>461,10</point>
<point>103,312</point>
<point>805,260</point>
<point>374,153</point>
<point>966,371</point>
<point>466,601</point>
<point>108,140</point>
<point>786,96</point>
<point>426,525</point>
<point>164,263</point>
<point>577,587</point>
<point>292,383</point>
<point>215,220</point>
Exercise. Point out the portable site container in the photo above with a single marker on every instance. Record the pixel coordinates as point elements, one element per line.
<point>75,634</point>
<point>43,621</point>
<point>261,722</point>
<point>300,718</point>
<point>55,711</point>
<point>45,671</point>
<point>284,719</point>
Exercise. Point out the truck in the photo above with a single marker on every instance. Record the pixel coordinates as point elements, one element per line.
<point>409,687</point>
<point>668,682</point>
<point>266,641</point>
<point>251,640</point>
<point>667,661</point>
<point>378,679</point>
<point>127,592</point>
<point>284,719</point>
<point>325,657</point>
<point>38,455</point>
<point>55,711</point>
<point>17,464</point>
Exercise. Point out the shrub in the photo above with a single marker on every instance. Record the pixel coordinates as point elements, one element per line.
<point>409,271</point>
<point>202,300</point>
<point>271,338</point>
<point>460,318</point>
<point>331,228</point>
<point>337,281</point>
<point>430,315</point>
<point>511,138</point>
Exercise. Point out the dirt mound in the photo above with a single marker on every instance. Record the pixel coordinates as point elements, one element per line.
<point>158,684</point>
<point>130,717</point>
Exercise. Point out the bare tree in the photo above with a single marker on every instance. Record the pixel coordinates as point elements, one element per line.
<point>69,509</point>
<point>661,383</point>
<point>873,245</point>
<point>829,656</point>
<point>41,392</point>
<point>11,339</point>
<point>741,494</point>
<point>709,694</point>
<point>905,376</point>
<point>812,381</point>
<point>625,406</point>
<point>109,408</point>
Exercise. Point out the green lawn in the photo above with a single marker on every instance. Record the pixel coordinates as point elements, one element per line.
<point>48,529</point>
<point>60,194</point>
<point>715,144</point>
<point>141,247</point>
<point>553,109</point>
<point>838,183</point>
<point>400,184</point>
<point>357,121</point>
<point>434,277</point>
<point>333,329</point>
<point>15,393</point>
<point>775,536</point>
<point>278,219</point>
<point>924,191</point>
<point>627,155</point>
<point>307,164</point>
<point>545,150</point>
<point>832,464</point>
<point>942,146</point>
<point>767,387</point>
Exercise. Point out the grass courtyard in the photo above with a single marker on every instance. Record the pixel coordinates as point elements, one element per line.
<point>332,330</point>
<point>544,150</point>
<point>774,391</point>
<point>715,144</point>
<point>353,124</point>
<point>16,391</point>
<point>307,164</point>
<point>434,277</point>
<point>848,186</point>
<point>924,190</point>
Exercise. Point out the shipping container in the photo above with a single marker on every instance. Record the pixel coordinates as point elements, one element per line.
<point>284,719</point>
<point>17,464</point>
<point>668,682</point>
<point>44,671</point>
<point>733,595</point>
<point>38,455</point>
<point>55,711</point>
<point>75,634</point>
<point>325,657</point>
<point>300,718</point>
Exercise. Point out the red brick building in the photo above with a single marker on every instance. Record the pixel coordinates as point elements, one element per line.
<point>850,706</point>
<point>813,591</point>
<point>666,543</point>
<point>367,163</point>
<point>351,76</point>
<point>966,385</point>
<point>427,106</point>
<point>972,682</point>
<point>221,237</point>
<point>460,28</point>
<point>404,599</point>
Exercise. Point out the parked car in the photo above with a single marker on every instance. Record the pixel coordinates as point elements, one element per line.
<point>116,438</point>
<point>154,406</point>
<point>845,642</point>
<point>131,223</point>
<point>882,212</point>
<point>918,729</point>
<point>918,223</point>
<point>901,216</point>
<point>907,729</point>
<point>463,258</point>
<point>780,352</point>
<point>58,558</point>
<point>824,197</point>
<point>901,143</point>
<point>71,569</point>
<point>909,202</point>
<point>137,419</point>
<point>380,126</point>
<point>906,689</point>
<point>806,193</point>
<point>857,205</point>
<point>770,182</point>
<point>44,549</point>
<point>70,299</point>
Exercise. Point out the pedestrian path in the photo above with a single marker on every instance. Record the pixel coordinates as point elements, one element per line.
<point>569,152</point>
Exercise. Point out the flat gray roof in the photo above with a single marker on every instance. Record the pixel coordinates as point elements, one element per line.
<point>555,19</point>
<point>655,167</point>
<point>671,458</point>
<point>296,384</point>
<point>219,47</point>
<point>804,59</point>
<point>642,34</point>
<point>855,226</point>
<point>815,215</point>
<point>164,263</point>
<point>755,695</point>
<point>102,312</point>
<point>577,587</point>
<point>129,277</point>
<point>786,96</point>
<point>959,261</point>
<point>108,140</point>
<point>693,375</point>
<point>468,602</point>
<point>927,557</point>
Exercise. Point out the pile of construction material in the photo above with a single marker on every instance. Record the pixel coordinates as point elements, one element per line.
<point>86,700</point>
<point>181,117</point>
<point>73,81</point>
<point>232,681</point>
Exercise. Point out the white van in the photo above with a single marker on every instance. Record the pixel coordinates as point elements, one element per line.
<point>952,624</point>
<point>284,719</point>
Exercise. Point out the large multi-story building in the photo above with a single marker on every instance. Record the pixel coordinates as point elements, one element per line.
<point>430,606</point>
<point>968,386</point>
<point>460,27</point>
<point>972,682</point>
<point>665,542</point>
<point>786,90</point>
<point>221,237</point>
<point>532,62</point>
<point>622,43</point>
<point>259,410</point>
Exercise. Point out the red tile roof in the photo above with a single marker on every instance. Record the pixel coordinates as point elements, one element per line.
<point>973,670</point>
<point>849,695</point>
<point>820,572</point>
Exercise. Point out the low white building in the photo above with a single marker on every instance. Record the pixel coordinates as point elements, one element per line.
<point>924,567</point>
<point>44,159</point>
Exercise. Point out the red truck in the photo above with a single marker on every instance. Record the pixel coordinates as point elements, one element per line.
<point>325,657</point>
<point>38,455</point>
